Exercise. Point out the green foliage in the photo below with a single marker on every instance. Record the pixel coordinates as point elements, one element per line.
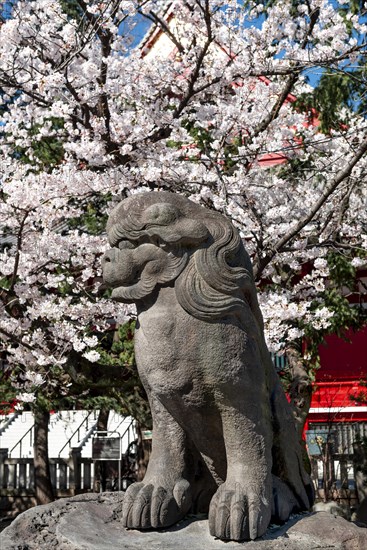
<point>7,391</point>
<point>95,216</point>
<point>5,283</point>
<point>117,350</point>
<point>292,169</point>
<point>45,151</point>
<point>342,272</point>
<point>353,7</point>
<point>72,9</point>
<point>361,396</point>
<point>201,136</point>
<point>203,140</point>
<point>334,91</point>
<point>338,90</point>
<point>231,154</point>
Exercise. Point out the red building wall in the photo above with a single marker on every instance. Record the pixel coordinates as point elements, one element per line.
<point>343,366</point>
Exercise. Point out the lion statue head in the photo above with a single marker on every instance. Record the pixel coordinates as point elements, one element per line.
<point>161,237</point>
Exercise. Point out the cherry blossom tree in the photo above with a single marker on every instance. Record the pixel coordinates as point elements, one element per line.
<point>206,106</point>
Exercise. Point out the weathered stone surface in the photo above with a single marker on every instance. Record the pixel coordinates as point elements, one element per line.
<point>333,530</point>
<point>91,522</point>
<point>224,440</point>
<point>334,508</point>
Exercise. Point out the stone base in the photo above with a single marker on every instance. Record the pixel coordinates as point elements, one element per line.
<point>91,522</point>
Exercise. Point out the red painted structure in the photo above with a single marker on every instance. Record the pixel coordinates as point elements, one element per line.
<point>340,379</point>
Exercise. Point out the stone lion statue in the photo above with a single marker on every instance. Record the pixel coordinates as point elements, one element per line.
<point>224,440</point>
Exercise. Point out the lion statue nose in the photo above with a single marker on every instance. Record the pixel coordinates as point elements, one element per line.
<point>109,256</point>
<point>118,267</point>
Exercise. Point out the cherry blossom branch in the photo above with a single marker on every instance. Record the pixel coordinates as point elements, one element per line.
<point>7,82</point>
<point>152,16</point>
<point>292,79</point>
<point>199,63</point>
<point>15,339</point>
<point>274,112</point>
<point>296,229</point>
<point>17,254</point>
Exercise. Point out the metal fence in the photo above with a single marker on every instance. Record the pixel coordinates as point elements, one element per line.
<point>68,476</point>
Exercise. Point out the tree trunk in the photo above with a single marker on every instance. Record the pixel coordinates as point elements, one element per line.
<point>300,393</point>
<point>360,469</point>
<point>99,482</point>
<point>143,451</point>
<point>42,478</point>
<point>300,390</point>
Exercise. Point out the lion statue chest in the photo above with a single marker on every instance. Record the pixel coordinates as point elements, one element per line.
<point>189,363</point>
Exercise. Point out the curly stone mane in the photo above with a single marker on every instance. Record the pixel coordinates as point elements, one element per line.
<point>215,276</point>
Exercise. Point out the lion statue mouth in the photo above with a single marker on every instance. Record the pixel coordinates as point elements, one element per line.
<point>224,440</point>
<point>134,271</point>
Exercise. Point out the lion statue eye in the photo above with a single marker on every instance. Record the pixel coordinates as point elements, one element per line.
<point>154,239</point>
<point>160,214</point>
<point>123,245</point>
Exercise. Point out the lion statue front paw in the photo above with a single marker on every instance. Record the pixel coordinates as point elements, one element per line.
<point>155,505</point>
<point>237,513</point>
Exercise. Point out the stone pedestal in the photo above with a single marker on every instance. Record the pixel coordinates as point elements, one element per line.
<point>91,522</point>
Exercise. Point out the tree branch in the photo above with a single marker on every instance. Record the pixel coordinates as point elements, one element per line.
<point>15,339</point>
<point>292,79</point>
<point>333,185</point>
<point>152,16</point>
<point>17,254</point>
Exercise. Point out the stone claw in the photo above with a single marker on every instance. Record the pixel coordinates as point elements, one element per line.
<point>155,505</point>
<point>237,514</point>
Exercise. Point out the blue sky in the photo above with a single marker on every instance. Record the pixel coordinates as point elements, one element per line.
<point>5,8</point>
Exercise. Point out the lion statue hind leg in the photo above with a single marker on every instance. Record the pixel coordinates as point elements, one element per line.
<point>292,486</point>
